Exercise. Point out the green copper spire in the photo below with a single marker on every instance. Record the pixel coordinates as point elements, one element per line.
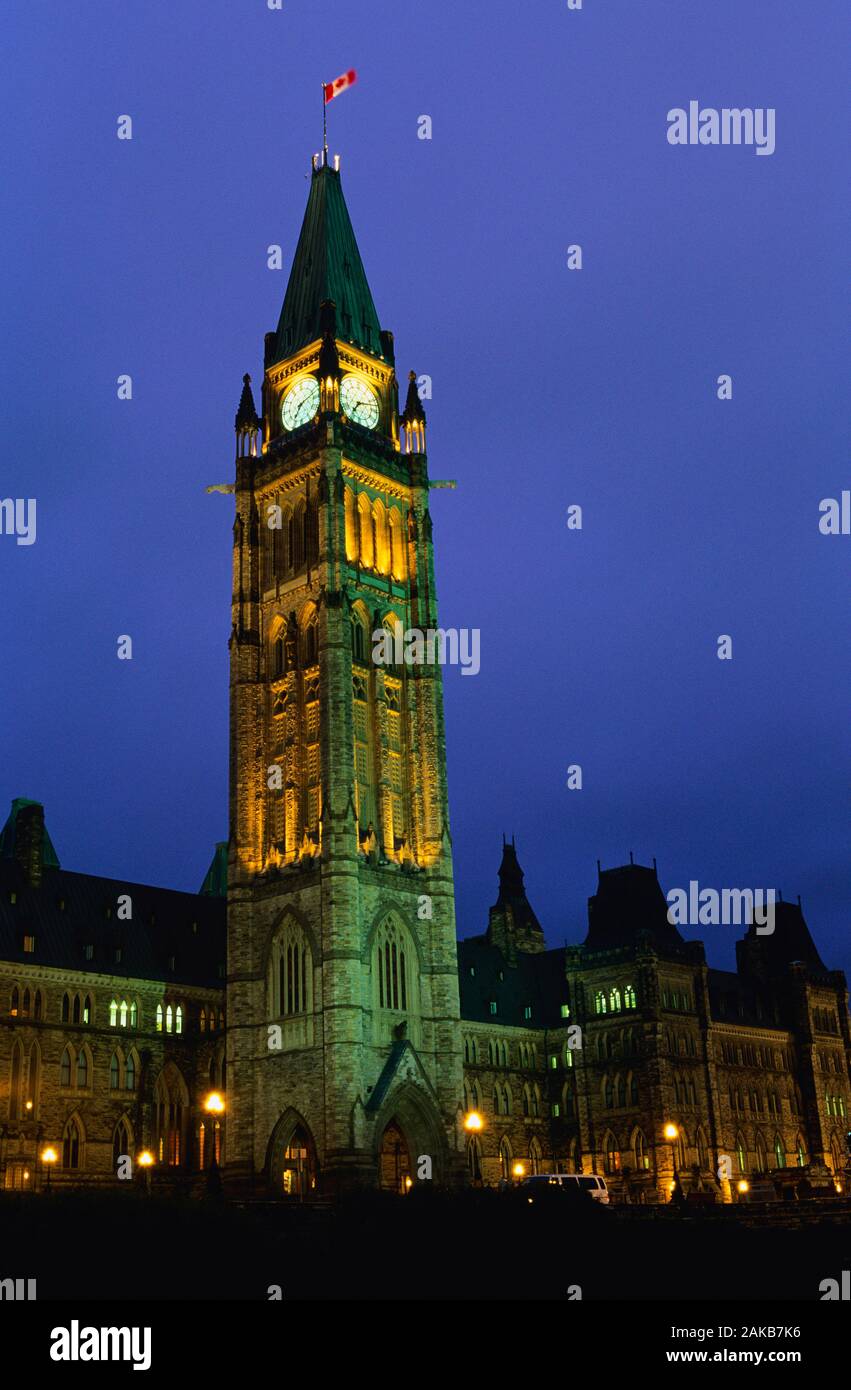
<point>327,266</point>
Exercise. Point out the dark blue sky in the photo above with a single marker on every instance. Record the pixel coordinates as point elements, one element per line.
<point>550,388</point>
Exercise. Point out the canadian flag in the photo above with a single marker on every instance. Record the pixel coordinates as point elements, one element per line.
<point>333,89</point>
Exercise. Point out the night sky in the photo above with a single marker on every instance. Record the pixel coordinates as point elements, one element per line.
<point>551,387</point>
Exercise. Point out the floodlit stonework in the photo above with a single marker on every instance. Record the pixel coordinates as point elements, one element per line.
<point>308,1022</point>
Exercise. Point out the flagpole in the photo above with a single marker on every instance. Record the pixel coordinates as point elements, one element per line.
<point>324,127</point>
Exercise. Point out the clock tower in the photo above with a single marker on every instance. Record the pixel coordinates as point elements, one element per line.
<point>344,1059</point>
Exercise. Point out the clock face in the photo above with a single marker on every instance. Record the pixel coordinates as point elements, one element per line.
<point>300,403</point>
<point>359,401</point>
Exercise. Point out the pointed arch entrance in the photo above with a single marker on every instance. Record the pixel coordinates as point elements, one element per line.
<point>394,1160</point>
<point>291,1162</point>
<point>408,1128</point>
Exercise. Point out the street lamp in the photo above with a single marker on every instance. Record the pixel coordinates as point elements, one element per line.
<point>48,1157</point>
<point>473,1123</point>
<point>743,1187</point>
<point>146,1160</point>
<point>518,1171</point>
<point>672,1134</point>
<point>214,1103</point>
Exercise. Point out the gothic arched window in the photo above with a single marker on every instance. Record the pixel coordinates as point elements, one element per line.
<point>292,971</point>
<point>65,1068</point>
<point>639,1149</point>
<point>71,1145</point>
<point>392,958</point>
<point>121,1143</point>
<point>740,1153</point>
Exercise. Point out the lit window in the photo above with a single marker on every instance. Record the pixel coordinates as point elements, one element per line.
<point>113,1012</point>
<point>134,1013</point>
<point>169,1018</point>
<point>178,1019</point>
<point>29,944</point>
<point>565,1011</point>
<point>159,1018</point>
<point>527,1011</point>
<point>492,1006</point>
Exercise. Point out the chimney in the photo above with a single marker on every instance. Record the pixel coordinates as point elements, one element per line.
<point>29,842</point>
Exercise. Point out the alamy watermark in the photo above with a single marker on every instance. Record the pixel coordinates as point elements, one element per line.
<point>731,125</point>
<point>729,907</point>
<point>414,647</point>
<point>17,518</point>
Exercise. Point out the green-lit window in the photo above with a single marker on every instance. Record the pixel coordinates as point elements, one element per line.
<point>565,1011</point>
<point>599,1002</point>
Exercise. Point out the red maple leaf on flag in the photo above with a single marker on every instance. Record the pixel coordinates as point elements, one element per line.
<point>333,89</point>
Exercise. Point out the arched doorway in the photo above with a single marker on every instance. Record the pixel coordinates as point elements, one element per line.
<point>292,1166</point>
<point>394,1160</point>
<point>298,1174</point>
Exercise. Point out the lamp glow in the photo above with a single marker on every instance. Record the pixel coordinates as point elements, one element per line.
<point>214,1104</point>
<point>473,1121</point>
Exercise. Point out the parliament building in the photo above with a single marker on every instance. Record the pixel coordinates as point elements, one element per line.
<point>309,1022</point>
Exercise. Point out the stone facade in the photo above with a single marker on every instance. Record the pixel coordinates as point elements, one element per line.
<point>363,1045</point>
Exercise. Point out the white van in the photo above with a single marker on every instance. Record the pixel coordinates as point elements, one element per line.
<point>590,1182</point>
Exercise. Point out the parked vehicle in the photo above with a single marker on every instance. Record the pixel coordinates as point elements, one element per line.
<point>547,1183</point>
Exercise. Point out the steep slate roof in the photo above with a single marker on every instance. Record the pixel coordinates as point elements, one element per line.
<point>8,834</point>
<point>327,266</point>
<point>790,940</point>
<point>537,979</point>
<point>161,927</point>
<point>629,900</point>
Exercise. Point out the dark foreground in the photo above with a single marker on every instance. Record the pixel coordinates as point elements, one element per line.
<point>426,1246</point>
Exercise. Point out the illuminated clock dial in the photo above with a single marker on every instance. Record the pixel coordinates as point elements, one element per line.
<point>359,401</point>
<point>300,403</point>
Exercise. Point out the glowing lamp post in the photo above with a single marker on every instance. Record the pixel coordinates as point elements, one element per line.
<point>743,1187</point>
<point>518,1171</point>
<point>473,1123</point>
<point>145,1161</point>
<point>215,1105</point>
<point>672,1134</point>
<point>49,1156</point>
